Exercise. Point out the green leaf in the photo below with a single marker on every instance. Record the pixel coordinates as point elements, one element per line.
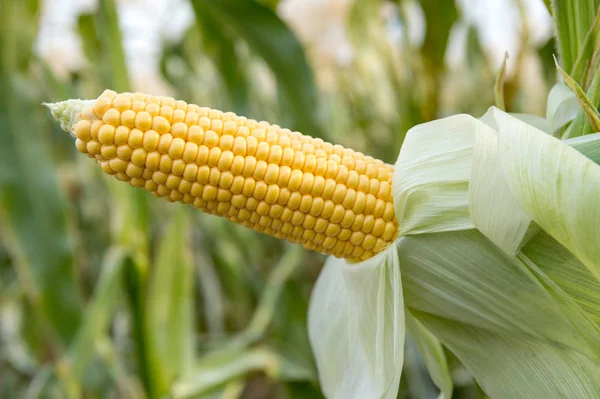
<point>356,327</point>
<point>216,370</point>
<point>219,43</point>
<point>562,107</point>
<point>573,20</point>
<point>34,218</point>
<point>98,312</point>
<point>130,213</point>
<point>112,46</point>
<point>499,86</point>
<point>438,29</point>
<point>130,219</point>
<point>581,126</point>
<point>275,43</point>
<point>439,24</point>
<point>589,109</point>
<point>171,298</point>
<point>149,370</point>
<point>587,60</point>
<point>548,6</point>
<point>563,201</point>
<point>271,295</point>
<point>90,43</point>
<point>587,145</point>
<point>18,32</point>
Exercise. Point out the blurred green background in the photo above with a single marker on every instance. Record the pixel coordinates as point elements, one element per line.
<point>107,292</point>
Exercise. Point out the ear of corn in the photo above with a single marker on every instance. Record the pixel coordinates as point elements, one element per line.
<point>328,198</point>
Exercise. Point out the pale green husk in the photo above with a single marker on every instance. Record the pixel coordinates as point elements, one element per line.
<point>356,327</point>
<point>499,256</point>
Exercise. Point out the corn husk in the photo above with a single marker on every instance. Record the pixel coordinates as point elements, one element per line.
<point>499,256</point>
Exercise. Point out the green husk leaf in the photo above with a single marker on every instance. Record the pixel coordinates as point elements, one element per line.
<point>426,200</point>
<point>492,206</point>
<point>433,355</point>
<point>566,271</point>
<point>539,342</point>
<point>562,200</point>
<point>356,327</point>
<point>533,120</point>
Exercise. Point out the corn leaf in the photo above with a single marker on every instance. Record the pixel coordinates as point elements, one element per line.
<point>269,37</point>
<point>587,105</point>
<point>356,327</point>
<point>147,355</point>
<point>573,19</point>
<point>563,201</point>
<point>586,121</point>
<point>170,312</point>
<point>33,214</point>
<point>130,214</point>
<point>99,311</point>
<point>587,145</point>
<point>587,60</point>
<point>219,43</point>
<point>425,199</point>
<point>217,369</point>
<point>562,107</point>
<point>548,6</point>
<point>499,85</point>
<point>112,46</point>
<point>433,51</point>
<point>566,272</point>
<point>471,295</point>
<point>271,294</point>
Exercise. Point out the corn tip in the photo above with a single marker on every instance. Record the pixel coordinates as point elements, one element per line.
<point>68,112</point>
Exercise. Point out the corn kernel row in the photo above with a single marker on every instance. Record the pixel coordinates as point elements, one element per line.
<point>329,198</point>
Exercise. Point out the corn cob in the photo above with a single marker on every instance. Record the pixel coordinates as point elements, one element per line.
<point>326,197</point>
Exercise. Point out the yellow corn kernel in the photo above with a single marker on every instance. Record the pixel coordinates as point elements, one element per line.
<point>106,134</point>
<point>136,138</point>
<point>128,118</point>
<point>161,124</point>
<point>143,120</point>
<point>82,130</point>
<point>150,141</point>
<point>276,181</point>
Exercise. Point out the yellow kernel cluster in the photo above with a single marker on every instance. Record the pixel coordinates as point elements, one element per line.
<point>326,197</point>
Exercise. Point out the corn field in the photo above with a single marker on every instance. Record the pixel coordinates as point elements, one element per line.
<point>471,263</point>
